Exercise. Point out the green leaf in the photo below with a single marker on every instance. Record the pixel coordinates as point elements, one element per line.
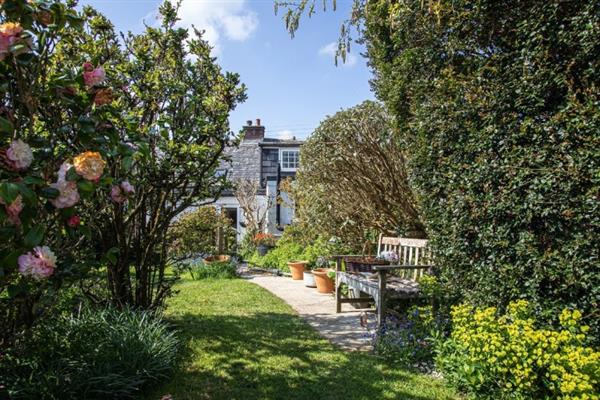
<point>8,192</point>
<point>33,180</point>
<point>34,237</point>
<point>10,260</point>
<point>50,193</point>
<point>6,126</point>
<point>85,186</point>
<point>72,174</point>
<point>111,255</point>
<point>28,194</point>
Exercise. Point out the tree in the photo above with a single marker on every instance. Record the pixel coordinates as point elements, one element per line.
<point>255,209</point>
<point>175,98</point>
<point>352,177</point>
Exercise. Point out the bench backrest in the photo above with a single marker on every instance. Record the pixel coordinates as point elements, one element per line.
<point>410,252</point>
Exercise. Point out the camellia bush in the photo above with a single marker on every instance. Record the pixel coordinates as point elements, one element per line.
<point>56,152</point>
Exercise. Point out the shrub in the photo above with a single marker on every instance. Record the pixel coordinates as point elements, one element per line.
<point>509,356</point>
<point>264,239</point>
<point>497,106</point>
<point>99,354</point>
<point>409,338</point>
<point>214,270</point>
<point>197,233</point>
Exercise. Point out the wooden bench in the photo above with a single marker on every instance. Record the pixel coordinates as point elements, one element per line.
<point>398,281</point>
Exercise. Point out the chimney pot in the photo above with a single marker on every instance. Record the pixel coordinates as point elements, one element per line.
<point>249,122</point>
<point>257,121</point>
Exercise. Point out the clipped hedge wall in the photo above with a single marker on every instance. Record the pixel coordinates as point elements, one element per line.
<point>498,105</point>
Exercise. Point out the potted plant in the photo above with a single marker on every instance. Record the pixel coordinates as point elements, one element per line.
<point>297,269</point>
<point>216,259</point>
<point>309,278</point>
<point>264,242</point>
<point>324,278</point>
<point>366,263</point>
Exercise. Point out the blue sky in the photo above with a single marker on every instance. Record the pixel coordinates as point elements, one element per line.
<point>292,83</point>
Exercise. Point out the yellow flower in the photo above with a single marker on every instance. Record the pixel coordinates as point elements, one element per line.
<point>10,29</point>
<point>90,165</point>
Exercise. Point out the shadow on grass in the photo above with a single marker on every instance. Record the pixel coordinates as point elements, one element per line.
<point>278,356</point>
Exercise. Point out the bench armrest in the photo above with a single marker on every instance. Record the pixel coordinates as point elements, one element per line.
<point>396,267</point>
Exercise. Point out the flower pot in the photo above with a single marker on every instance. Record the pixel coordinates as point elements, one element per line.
<point>309,279</point>
<point>362,263</point>
<point>216,259</point>
<point>323,281</point>
<point>263,249</point>
<point>297,269</point>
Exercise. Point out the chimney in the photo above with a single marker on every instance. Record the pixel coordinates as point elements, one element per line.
<point>254,132</point>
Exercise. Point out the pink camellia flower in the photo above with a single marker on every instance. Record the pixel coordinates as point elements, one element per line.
<point>120,193</point>
<point>19,155</point>
<point>93,76</point>
<point>38,264</point>
<point>127,188</point>
<point>68,195</point>
<point>74,221</point>
<point>13,209</point>
<point>11,34</point>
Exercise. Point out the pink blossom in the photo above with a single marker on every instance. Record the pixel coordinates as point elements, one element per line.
<point>74,221</point>
<point>127,188</point>
<point>68,195</point>
<point>117,195</point>
<point>93,77</point>
<point>19,155</point>
<point>13,209</point>
<point>38,264</point>
<point>120,193</point>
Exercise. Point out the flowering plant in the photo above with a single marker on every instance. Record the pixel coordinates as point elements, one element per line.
<point>390,256</point>
<point>264,239</point>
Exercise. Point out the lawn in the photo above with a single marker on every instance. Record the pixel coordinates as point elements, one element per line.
<point>244,343</point>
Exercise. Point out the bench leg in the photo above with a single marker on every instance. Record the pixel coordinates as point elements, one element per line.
<point>338,297</point>
<point>381,298</point>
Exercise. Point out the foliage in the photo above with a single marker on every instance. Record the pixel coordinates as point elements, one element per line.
<point>497,108</point>
<point>197,233</point>
<point>290,247</point>
<point>98,354</point>
<point>409,337</point>
<point>353,177</point>
<point>177,97</point>
<point>509,356</point>
<point>267,351</point>
<point>57,159</point>
<point>264,239</point>
<point>213,270</point>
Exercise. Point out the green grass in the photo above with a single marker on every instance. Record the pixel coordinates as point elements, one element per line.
<point>244,343</point>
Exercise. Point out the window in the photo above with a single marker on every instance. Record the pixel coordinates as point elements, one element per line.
<point>290,160</point>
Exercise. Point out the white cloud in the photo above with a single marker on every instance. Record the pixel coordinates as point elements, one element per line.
<point>285,134</point>
<point>329,51</point>
<point>230,19</point>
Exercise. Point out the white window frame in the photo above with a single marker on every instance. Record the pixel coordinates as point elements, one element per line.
<point>290,149</point>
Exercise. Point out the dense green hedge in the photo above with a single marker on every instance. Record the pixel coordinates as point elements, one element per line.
<point>499,108</point>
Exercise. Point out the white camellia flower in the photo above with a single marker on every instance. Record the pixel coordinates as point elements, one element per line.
<point>20,155</point>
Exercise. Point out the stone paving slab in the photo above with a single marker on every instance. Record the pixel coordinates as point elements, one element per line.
<point>318,310</point>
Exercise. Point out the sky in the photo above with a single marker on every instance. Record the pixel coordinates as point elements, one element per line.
<point>293,84</point>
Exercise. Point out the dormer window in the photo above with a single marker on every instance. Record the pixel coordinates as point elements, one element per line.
<point>290,159</point>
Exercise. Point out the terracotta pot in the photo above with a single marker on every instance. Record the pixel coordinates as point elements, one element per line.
<point>297,269</point>
<point>217,259</point>
<point>324,282</point>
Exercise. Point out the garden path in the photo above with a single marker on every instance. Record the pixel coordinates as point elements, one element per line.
<point>343,330</point>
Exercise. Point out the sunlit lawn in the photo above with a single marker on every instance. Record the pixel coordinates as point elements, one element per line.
<point>244,343</point>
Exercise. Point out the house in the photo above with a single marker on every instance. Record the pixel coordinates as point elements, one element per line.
<point>266,161</point>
